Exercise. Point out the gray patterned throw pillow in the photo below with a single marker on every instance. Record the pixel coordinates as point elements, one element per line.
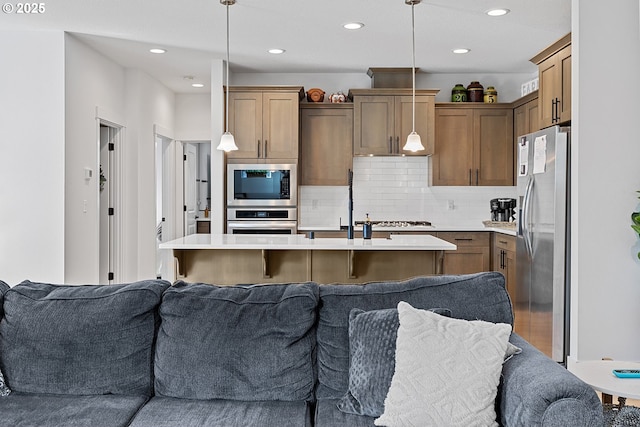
<point>4,389</point>
<point>372,350</point>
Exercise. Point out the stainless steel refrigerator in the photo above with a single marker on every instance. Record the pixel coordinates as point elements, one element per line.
<point>541,292</point>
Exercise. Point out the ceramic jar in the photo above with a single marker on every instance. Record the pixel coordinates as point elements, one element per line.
<point>459,93</point>
<point>315,95</point>
<point>475,92</point>
<point>337,97</point>
<point>490,95</point>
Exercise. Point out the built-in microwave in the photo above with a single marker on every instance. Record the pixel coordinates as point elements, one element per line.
<point>262,184</point>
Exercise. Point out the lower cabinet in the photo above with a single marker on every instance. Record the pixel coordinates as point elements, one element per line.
<point>473,254</point>
<point>504,261</point>
<point>203,227</point>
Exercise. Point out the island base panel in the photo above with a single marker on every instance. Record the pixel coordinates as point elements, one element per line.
<point>229,267</point>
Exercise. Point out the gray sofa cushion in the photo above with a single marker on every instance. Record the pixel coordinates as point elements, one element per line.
<point>172,412</point>
<point>475,296</point>
<point>4,389</point>
<point>237,342</point>
<point>80,339</point>
<point>328,415</point>
<point>3,289</point>
<point>46,410</point>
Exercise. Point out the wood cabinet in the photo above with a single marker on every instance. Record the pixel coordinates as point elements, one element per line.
<point>504,260</point>
<point>554,73</point>
<point>473,145</point>
<point>264,122</point>
<point>525,115</point>
<point>383,118</point>
<point>473,254</point>
<point>326,143</point>
<point>203,227</point>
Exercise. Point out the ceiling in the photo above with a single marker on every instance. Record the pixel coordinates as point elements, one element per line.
<point>311,32</point>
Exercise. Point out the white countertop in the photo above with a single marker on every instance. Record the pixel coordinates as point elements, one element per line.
<point>432,228</point>
<point>301,242</point>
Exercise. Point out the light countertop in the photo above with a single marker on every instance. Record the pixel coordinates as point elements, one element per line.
<point>301,242</point>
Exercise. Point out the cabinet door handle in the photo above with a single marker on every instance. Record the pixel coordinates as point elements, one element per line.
<point>504,242</point>
<point>265,148</point>
<point>477,176</point>
<point>470,182</point>
<point>258,148</point>
<point>397,145</point>
<point>557,110</point>
<point>502,254</point>
<point>390,144</point>
<point>461,239</point>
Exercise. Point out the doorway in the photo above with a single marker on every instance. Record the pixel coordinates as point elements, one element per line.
<point>109,206</point>
<point>183,192</point>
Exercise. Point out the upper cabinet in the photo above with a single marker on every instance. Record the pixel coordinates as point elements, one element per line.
<point>383,118</point>
<point>526,115</point>
<point>473,145</point>
<point>326,135</point>
<point>554,73</point>
<point>264,122</point>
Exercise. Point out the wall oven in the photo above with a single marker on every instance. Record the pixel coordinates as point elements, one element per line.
<point>262,185</point>
<point>262,220</point>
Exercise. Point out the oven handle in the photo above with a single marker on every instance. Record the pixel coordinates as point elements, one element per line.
<point>262,224</point>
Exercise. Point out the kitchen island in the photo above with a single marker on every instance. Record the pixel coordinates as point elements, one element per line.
<point>227,259</point>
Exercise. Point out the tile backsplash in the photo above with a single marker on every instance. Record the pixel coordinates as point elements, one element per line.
<point>396,188</point>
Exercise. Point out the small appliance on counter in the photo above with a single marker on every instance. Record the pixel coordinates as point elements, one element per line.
<point>503,210</point>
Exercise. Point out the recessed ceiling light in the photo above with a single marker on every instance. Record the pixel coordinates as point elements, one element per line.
<point>461,50</point>
<point>353,25</point>
<point>497,12</point>
<point>157,50</point>
<point>197,85</point>
<point>276,51</point>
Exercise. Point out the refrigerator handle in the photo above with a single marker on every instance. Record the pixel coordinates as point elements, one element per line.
<point>526,210</point>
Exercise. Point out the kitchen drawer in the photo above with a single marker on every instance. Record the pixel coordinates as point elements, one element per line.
<point>503,241</point>
<point>466,238</point>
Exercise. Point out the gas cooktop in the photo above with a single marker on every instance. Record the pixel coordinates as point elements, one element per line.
<point>397,223</point>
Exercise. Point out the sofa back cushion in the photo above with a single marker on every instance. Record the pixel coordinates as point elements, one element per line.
<point>3,289</point>
<point>237,342</point>
<point>83,340</point>
<point>481,296</point>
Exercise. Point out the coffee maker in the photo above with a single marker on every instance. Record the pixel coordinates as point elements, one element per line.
<point>503,210</point>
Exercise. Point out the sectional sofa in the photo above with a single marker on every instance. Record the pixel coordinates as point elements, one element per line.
<point>154,354</point>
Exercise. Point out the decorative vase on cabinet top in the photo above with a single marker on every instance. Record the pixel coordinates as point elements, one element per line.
<point>459,93</point>
<point>476,92</point>
<point>491,95</point>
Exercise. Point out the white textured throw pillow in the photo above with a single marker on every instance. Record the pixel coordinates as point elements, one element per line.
<point>447,371</point>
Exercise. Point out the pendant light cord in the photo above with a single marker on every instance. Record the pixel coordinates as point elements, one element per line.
<point>227,118</point>
<point>413,69</point>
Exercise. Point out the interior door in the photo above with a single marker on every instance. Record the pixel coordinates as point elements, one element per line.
<point>106,209</point>
<point>190,188</point>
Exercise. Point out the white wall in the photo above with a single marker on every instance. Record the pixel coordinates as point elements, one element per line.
<point>193,117</point>
<point>91,81</point>
<point>32,163</point>
<point>217,157</point>
<point>605,110</point>
<point>507,85</point>
<point>148,104</point>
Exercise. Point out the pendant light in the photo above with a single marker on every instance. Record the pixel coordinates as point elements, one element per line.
<point>227,142</point>
<point>413,140</point>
